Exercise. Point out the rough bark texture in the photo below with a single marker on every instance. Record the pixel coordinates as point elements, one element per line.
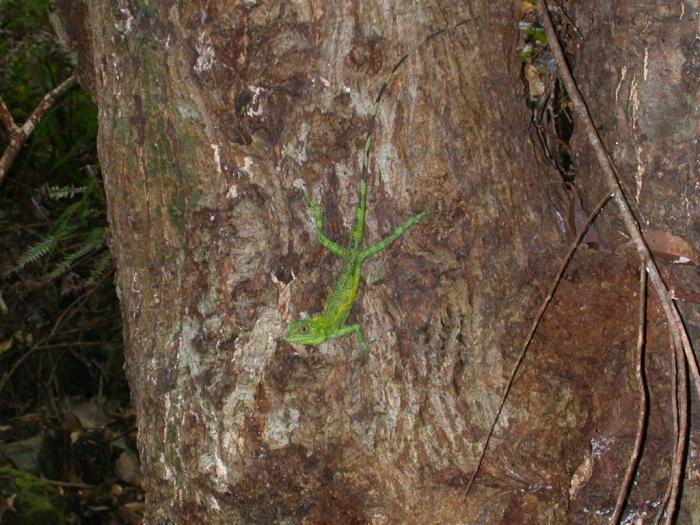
<point>639,68</point>
<point>212,115</point>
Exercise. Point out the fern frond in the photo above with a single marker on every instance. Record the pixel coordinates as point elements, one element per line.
<point>37,251</point>
<point>100,268</point>
<point>71,258</point>
<point>44,247</point>
<point>62,192</point>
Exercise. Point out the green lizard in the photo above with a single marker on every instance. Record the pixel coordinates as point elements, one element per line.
<point>330,323</point>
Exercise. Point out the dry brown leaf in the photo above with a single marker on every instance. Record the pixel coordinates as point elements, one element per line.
<point>132,513</point>
<point>535,85</point>
<point>128,469</point>
<point>6,345</point>
<point>671,246</point>
<point>91,414</point>
<point>525,7</point>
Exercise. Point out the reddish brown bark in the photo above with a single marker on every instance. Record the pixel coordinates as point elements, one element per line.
<point>212,114</point>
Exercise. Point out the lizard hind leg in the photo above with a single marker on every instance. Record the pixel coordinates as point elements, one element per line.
<point>398,232</point>
<point>326,242</point>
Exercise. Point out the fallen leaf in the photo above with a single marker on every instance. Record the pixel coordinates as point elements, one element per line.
<point>671,246</point>
<point>24,454</point>
<point>535,86</point>
<point>128,469</point>
<point>6,345</point>
<point>132,512</point>
<point>526,7</point>
<point>91,414</point>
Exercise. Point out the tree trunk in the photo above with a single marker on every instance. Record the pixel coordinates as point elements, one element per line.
<point>213,116</point>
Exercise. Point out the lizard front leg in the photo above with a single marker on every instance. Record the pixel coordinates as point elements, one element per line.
<point>398,232</point>
<point>353,328</point>
<point>331,246</point>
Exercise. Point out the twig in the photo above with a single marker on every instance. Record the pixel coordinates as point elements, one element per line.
<point>641,383</point>
<point>3,306</point>
<point>67,484</point>
<point>71,344</point>
<point>579,105</point>
<point>20,134</point>
<point>679,336</point>
<point>6,117</point>
<point>25,226</point>
<point>67,314</point>
<point>533,328</point>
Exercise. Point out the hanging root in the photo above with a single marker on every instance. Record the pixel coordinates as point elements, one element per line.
<point>641,384</point>
<point>680,341</point>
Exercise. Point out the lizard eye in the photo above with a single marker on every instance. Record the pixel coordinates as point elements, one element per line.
<point>304,328</point>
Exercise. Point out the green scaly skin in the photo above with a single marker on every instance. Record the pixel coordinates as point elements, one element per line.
<point>330,323</point>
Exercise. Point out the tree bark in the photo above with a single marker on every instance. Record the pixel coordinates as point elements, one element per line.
<point>213,115</point>
<point>639,69</point>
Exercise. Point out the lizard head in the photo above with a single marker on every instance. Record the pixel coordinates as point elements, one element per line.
<point>310,331</point>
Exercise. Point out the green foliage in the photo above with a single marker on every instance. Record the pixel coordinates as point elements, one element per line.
<point>61,192</point>
<point>34,502</point>
<point>535,41</point>
<point>44,247</point>
<point>536,32</point>
<point>61,151</point>
<point>70,259</point>
<point>99,268</point>
<point>53,234</point>
<point>73,240</point>
<point>31,64</point>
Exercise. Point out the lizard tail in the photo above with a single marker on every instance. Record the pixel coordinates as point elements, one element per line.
<point>387,82</point>
<point>358,227</point>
